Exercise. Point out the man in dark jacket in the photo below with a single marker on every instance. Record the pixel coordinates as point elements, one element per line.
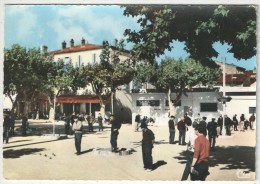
<point>235,122</point>
<point>171,125</point>
<point>220,124</point>
<point>7,125</point>
<point>212,133</point>
<point>147,146</point>
<point>137,122</point>
<point>228,123</point>
<point>115,126</point>
<point>182,131</point>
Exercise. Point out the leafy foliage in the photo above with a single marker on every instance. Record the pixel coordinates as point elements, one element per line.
<point>105,77</point>
<point>26,72</point>
<point>197,26</point>
<point>177,75</point>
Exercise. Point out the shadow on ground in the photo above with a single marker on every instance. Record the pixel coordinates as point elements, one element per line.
<point>87,151</point>
<point>21,152</point>
<point>158,164</point>
<point>233,157</point>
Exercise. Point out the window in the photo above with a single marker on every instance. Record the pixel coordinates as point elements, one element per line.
<point>147,103</point>
<point>167,103</point>
<point>252,110</point>
<point>208,107</point>
<point>67,60</point>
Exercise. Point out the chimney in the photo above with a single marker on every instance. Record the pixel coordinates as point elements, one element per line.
<point>71,43</point>
<point>63,45</point>
<point>83,41</point>
<point>44,49</point>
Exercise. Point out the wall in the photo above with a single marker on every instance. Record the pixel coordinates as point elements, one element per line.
<point>85,56</point>
<point>237,105</point>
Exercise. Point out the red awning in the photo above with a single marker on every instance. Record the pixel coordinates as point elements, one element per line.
<point>80,99</point>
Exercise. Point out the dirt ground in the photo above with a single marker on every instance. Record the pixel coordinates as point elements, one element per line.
<point>36,157</point>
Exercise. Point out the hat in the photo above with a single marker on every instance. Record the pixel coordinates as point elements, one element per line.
<point>204,117</point>
<point>143,125</point>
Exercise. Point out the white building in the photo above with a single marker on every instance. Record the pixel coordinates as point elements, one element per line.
<point>205,102</point>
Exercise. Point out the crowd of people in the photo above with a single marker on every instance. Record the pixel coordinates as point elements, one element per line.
<point>198,135</point>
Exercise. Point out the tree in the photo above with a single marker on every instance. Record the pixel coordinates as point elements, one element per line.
<point>65,77</point>
<point>146,73</point>
<point>198,26</point>
<point>178,76</point>
<point>105,77</point>
<point>25,74</point>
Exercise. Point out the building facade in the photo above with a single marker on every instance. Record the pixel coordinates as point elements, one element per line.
<point>84,101</point>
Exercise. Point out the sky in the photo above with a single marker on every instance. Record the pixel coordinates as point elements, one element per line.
<point>32,26</point>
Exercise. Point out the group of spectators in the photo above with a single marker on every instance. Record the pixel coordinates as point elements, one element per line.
<point>90,119</point>
<point>200,138</point>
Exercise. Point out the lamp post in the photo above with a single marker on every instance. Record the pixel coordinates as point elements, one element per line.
<point>223,100</point>
<point>54,106</point>
<point>54,110</point>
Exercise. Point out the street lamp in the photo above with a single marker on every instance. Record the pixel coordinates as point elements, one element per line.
<point>54,110</point>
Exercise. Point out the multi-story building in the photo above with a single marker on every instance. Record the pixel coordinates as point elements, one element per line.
<point>85,101</point>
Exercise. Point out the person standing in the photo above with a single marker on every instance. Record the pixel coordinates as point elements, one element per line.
<point>182,130</point>
<point>90,120</point>
<point>203,122</point>
<point>77,127</point>
<point>37,115</point>
<point>251,121</point>
<point>24,125</point>
<point>147,146</point>
<point>242,122</point>
<point>115,126</point>
<point>212,133</point>
<point>220,124</point>
<point>100,122</point>
<point>187,119</point>
<point>137,122</point>
<point>12,119</point>
<point>67,124</point>
<point>6,126</point>
<point>228,123</point>
<point>171,125</point>
<point>200,162</point>
<point>235,122</point>
<point>189,139</point>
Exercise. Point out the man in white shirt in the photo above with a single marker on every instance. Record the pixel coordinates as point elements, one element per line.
<point>189,139</point>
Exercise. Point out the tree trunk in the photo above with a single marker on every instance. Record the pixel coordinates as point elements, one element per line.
<point>26,107</point>
<point>26,104</point>
<point>172,111</point>
<point>102,105</point>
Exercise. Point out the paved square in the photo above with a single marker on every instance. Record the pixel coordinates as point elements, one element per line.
<point>36,158</point>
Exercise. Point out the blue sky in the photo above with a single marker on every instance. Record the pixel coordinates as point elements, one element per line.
<point>34,25</point>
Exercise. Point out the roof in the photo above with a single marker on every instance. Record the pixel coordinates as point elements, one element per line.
<point>81,99</point>
<point>246,79</point>
<point>77,48</point>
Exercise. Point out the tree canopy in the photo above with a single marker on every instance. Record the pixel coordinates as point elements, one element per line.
<point>26,73</point>
<point>176,76</point>
<point>31,74</point>
<point>105,77</point>
<point>198,26</point>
